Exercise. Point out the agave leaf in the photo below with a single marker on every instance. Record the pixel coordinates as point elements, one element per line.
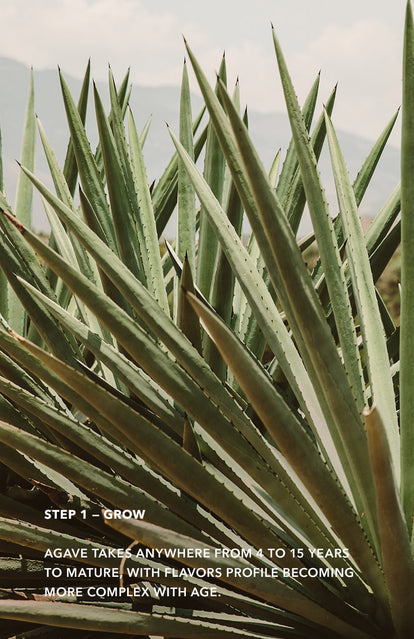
<point>186,220</point>
<point>190,443</point>
<point>83,617</point>
<point>13,570</point>
<point>368,168</point>
<point>384,220</point>
<point>386,216</point>
<point>214,175</point>
<point>288,435</point>
<point>15,313</point>
<point>164,196</point>
<point>115,119</point>
<point>70,169</point>
<point>187,320</point>
<point>122,100</point>
<point>156,357</point>
<point>407,274</point>
<point>118,192</point>
<point>244,323</point>
<point>137,201</point>
<point>222,286</point>
<point>63,245</point>
<point>24,193</point>
<point>150,247</point>
<point>375,347</point>
<point>41,539</point>
<point>322,225</point>
<point>144,133</point>
<point>290,163</point>
<point>41,631</point>
<point>88,170</point>
<point>294,202</point>
<point>186,204</point>
<point>384,252</point>
<point>274,169</point>
<point>228,184</point>
<point>395,543</point>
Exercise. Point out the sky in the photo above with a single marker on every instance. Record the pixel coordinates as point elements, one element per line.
<point>357,44</point>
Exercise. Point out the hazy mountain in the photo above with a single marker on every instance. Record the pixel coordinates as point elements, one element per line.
<point>269,131</point>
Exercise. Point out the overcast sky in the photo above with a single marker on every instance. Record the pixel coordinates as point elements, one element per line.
<point>357,43</point>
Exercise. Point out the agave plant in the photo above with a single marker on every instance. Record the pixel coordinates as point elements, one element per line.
<point>212,442</point>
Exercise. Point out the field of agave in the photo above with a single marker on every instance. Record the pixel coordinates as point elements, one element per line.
<point>261,415</point>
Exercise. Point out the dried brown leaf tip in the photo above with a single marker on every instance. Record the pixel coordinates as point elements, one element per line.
<point>19,226</point>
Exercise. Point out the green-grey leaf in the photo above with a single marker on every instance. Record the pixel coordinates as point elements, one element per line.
<point>407,275</point>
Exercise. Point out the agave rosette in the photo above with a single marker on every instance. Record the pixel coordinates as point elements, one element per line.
<point>243,402</point>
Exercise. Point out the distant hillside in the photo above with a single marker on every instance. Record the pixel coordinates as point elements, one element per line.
<point>269,131</point>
